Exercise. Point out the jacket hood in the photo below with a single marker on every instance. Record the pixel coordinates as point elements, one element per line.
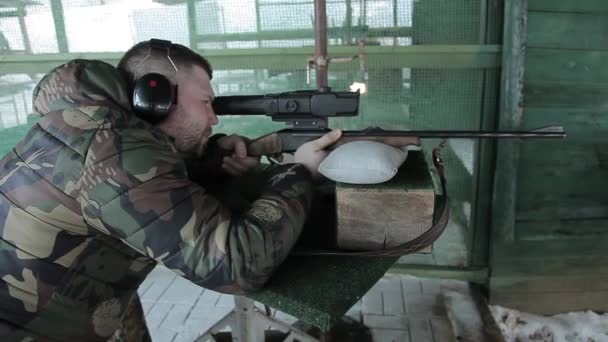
<point>81,83</point>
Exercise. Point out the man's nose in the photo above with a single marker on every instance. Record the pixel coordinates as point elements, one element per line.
<point>213,120</point>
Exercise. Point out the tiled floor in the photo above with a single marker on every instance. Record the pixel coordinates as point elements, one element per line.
<point>398,308</point>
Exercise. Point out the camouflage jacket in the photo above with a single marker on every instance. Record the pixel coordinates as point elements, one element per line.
<point>93,197</point>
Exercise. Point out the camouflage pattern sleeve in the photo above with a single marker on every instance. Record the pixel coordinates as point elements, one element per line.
<point>136,188</point>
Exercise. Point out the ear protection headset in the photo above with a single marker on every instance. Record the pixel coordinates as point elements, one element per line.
<point>153,94</point>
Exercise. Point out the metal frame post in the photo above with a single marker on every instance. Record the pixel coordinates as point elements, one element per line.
<point>321,60</point>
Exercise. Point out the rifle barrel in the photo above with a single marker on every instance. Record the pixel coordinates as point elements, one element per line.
<point>545,132</point>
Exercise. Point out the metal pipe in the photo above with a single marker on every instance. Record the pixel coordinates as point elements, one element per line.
<point>321,59</point>
<point>348,23</point>
<point>58,19</point>
<point>191,10</point>
<point>23,27</point>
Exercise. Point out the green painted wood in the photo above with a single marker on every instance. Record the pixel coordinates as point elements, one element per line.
<point>561,182</point>
<point>548,182</point>
<point>543,284</point>
<point>578,6</point>
<point>565,156</point>
<point>521,254</point>
<point>554,302</point>
<point>561,66</point>
<point>568,30</point>
<point>561,210</point>
<point>555,266</point>
<point>566,95</point>
<point>484,165</point>
<point>561,229</point>
<point>539,206</point>
<point>507,152</point>
<point>332,32</point>
<point>430,56</point>
<point>484,169</point>
<point>582,125</point>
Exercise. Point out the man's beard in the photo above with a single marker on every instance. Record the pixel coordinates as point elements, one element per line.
<point>193,149</point>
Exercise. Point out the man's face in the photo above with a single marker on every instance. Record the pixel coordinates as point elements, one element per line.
<point>190,120</point>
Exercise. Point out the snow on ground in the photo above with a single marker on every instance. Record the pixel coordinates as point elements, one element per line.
<point>519,326</point>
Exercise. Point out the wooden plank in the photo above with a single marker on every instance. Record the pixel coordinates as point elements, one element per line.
<point>469,274</point>
<point>560,250</point>
<point>405,203</point>
<point>358,211</point>
<point>537,206</point>
<point>511,110</point>
<point>567,30</point>
<point>491,33</point>
<point>568,156</point>
<point>578,6</point>
<point>584,127</point>
<point>555,266</point>
<point>550,182</point>
<point>553,229</point>
<point>296,34</point>
<point>561,66</point>
<point>566,95</point>
<point>535,284</point>
<point>552,303</point>
<point>416,56</point>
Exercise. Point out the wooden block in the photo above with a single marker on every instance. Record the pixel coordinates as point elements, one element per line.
<point>378,216</point>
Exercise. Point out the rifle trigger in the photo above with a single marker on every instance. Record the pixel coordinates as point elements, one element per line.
<point>276,158</point>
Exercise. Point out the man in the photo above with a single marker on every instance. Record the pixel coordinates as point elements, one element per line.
<point>95,196</point>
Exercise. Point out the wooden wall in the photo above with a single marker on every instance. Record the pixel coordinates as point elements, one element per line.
<point>550,245</point>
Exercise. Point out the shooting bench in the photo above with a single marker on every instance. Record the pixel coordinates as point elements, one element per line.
<point>320,289</point>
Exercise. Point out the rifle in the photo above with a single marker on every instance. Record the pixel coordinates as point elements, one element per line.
<point>306,113</point>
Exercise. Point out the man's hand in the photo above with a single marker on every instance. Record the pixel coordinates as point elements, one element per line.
<point>313,152</point>
<point>238,163</point>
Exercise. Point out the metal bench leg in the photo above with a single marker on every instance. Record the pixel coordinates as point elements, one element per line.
<point>249,324</point>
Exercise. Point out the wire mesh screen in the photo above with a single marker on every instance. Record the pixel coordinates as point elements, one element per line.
<point>262,46</point>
